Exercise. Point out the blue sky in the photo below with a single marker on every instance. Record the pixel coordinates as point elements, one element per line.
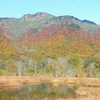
<point>82,9</point>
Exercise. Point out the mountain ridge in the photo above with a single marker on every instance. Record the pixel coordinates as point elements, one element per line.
<point>40,20</point>
<point>38,42</point>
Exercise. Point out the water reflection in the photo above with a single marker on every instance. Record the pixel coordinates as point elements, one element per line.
<point>43,91</point>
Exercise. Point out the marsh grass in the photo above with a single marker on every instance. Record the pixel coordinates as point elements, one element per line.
<point>84,88</point>
<point>91,85</point>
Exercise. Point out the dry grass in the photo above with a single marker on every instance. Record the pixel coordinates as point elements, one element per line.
<point>89,89</point>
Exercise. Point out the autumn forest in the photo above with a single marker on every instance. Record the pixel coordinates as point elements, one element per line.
<point>43,44</point>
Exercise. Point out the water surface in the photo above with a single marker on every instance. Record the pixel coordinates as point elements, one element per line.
<point>42,91</point>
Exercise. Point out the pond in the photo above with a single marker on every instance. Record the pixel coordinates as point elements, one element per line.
<point>42,91</point>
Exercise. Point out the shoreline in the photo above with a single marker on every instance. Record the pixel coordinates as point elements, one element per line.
<point>89,88</point>
<point>21,80</point>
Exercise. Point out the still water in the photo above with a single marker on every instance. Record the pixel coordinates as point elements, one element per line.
<point>42,91</point>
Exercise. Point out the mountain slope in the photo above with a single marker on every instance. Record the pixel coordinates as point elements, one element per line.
<point>33,43</point>
<point>62,35</point>
<point>5,32</point>
<point>41,20</point>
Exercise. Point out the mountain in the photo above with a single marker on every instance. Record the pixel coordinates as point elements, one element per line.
<point>65,34</point>
<point>5,32</point>
<point>39,21</point>
<point>35,42</point>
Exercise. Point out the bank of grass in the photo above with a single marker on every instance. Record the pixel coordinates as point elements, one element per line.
<point>20,80</point>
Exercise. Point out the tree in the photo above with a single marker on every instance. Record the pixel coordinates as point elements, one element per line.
<point>74,61</point>
<point>73,66</point>
<point>11,66</point>
<point>80,71</point>
<point>56,68</point>
<point>92,65</point>
<point>20,67</point>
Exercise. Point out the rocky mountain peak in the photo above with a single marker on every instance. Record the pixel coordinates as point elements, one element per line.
<point>37,15</point>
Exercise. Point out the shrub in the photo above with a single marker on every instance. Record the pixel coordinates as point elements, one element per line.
<point>30,70</point>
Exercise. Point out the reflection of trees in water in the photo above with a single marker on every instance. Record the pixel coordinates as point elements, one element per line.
<point>38,92</point>
<point>43,88</point>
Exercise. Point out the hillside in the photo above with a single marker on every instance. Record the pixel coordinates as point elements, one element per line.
<point>49,45</point>
<point>5,32</point>
<point>41,20</point>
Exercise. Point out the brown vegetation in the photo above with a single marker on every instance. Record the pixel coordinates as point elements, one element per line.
<point>89,88</point>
